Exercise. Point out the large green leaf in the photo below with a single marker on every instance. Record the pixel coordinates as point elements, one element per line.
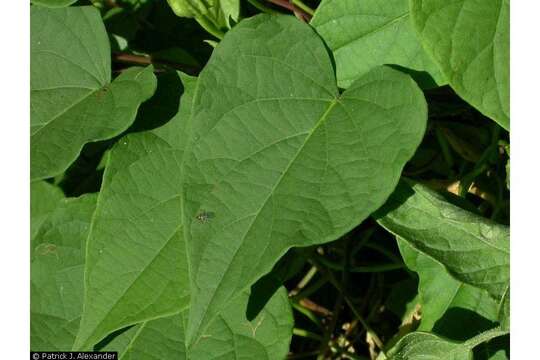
<point>363,34</point>
<point>136,266</point>
<point>57,273</point>
<point>279,158</point>
<point>142,181</point>
<point>140,162</point>
<point>427,346</point>
<point>44,198</point>
<point>230,336</point>
<point>470,40</point>
<point>72,99</point>
<point>449,307</point>
<point>473,250</point>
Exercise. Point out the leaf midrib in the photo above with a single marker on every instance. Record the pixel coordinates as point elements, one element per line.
<point>322,119</point>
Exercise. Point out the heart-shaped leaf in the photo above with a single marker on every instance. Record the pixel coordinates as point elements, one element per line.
<point>279,158</point>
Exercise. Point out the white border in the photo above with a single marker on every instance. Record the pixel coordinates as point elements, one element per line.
<point>525,178</point>
<point>15,177</point>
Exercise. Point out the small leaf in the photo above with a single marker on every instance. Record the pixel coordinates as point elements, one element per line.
<point>369,33</point>
<point>57,274</point>
<point>136,267</point>
<point>281,158</point>
<point>470,40</point>
<point>72,99</point>
<point>473,250</point>
<point>143,181</point>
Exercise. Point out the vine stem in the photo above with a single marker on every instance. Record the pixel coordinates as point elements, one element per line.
<point>257,4</point>
<point>306,334</point>
<point>304,7</point>
<point>333,281</point>
<point>147,60</point>
<point>298,12</point>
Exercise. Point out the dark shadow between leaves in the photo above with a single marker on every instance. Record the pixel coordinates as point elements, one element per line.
<point>83,176</point>
<point>100,345</point>
<point>401,193</point>
<point>488,350</point>
<point>460,324</point>
<point>261,292</point>
<point>330,54</point>
<point>162,106</point>
<point>422,78</point>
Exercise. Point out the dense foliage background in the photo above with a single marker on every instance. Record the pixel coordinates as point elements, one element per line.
<point>274,179</point>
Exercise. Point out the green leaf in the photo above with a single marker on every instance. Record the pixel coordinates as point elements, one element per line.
<point>473,250</point>
<point>280,159</point>
<point>427,346</point>
<point>177,131</point>
<point>54,3</point>
<point>470,40</point>
<point>450,307</point>
<point>44,198</point>
<point>142,181</point>
<point>136,266</point>
<point>155,339</point>
<point>72,99</point>
<point>142,176</point>
<point>57,274</point>
<point>363,34</point>
<point>230,336</point>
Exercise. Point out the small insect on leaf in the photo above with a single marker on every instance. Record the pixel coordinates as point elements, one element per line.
<point>205,216</point>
